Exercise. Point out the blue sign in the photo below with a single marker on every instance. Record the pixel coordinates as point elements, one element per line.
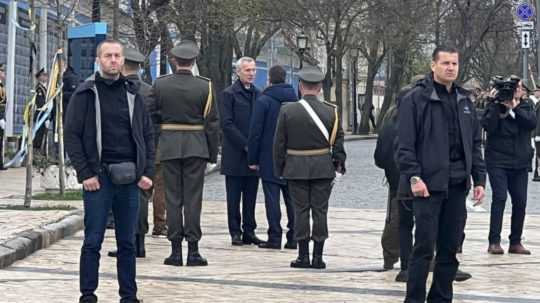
<point>524,11</point>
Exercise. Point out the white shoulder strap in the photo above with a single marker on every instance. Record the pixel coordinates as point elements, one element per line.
<point>315,119</point>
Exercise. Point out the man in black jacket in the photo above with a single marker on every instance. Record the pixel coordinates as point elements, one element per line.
<point>109,141</point>
<point>435,120</point>
<point>509,153</point>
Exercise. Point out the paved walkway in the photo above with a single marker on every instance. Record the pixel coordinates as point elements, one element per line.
<point>250,274</point>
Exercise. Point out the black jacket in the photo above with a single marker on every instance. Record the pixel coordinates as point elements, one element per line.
<point>80,132</point>
<point>509,139</point>
<point>423,147</point>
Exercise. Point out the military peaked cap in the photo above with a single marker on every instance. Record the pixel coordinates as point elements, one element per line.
<point>186,49</point>
<point>131,54</point>
<point>311,74</point>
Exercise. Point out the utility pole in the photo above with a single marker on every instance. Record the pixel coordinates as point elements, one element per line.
<point>29,145</point>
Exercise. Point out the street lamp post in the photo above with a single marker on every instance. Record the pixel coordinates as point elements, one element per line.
<point>354,55</point>
<point>301,43</point>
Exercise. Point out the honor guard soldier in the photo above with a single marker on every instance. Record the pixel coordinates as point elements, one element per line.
<point>132,64</point>
<point>308,151</point>
<point>3,101</point>
<point>41,99</point>
<point>188,139</point>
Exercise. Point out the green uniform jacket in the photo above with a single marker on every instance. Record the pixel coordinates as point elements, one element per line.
<point>181,98</point>
<point>296,130</point>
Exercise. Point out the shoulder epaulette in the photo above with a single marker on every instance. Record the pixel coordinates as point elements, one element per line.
<point>329,104</point>
<point>204,78</point>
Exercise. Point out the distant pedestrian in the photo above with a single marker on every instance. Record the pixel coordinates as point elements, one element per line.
<point>41,100</point>
<point>3,101</point>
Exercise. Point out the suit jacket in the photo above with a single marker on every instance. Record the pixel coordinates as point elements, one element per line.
<point>236,107</point>
<point>180,98</point>
<point>297,130</point>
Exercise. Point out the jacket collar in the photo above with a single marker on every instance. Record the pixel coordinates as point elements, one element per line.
<point>431,92</point>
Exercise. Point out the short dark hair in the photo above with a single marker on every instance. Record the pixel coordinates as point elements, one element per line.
<point>183,62</point>
<point>107,41</point>
<point>277,74</point>
<point>443,49</point>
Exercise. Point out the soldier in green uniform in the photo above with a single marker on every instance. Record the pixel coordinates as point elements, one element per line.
<point>3,101</point>
<point>132,64</point>
<point>41,99</point>
<point>188,139</point>
<point>308,151</point>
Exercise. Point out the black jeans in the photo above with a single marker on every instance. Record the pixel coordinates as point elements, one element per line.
<point>244,188</point>
<point>273,211</point>
<point>513,181</point>
<point>439,221</point>
<point>124,201</point>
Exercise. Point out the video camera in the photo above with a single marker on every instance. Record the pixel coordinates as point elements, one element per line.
<point>505,87</point>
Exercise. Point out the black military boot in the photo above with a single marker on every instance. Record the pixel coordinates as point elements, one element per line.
<point>194,258</point>
<point>303,255</point>
<point>175,259</point>
<point>317,261</point>
<point>139,246</point>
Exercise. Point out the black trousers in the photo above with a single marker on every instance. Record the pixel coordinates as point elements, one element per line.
<point>310,196</point>
<point>406,224</point>
<point>184,180</point>
<point>390,240</point>
<point>439,221</point>
<point>513,181</point>
<point>144,198</point>
<point>244,188</point>
<point>273,211</point>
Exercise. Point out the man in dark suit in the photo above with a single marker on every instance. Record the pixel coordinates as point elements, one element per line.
<point>261,138</point>
<point>188,139</point>
<point>236,105</point>
<point>308,150</point>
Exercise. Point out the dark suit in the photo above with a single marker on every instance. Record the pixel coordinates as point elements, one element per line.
<point>236,106</point>
<point>309,177</point>
<point>261,138</point>
<point>180,100</point>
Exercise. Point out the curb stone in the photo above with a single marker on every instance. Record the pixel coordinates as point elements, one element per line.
<point>27,242</point>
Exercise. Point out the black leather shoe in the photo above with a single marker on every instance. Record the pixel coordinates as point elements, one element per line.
<point>402,276</point>
<point>175,259</point>
<point>113,253</point>
<point>301,262</point>
<point>270,245</point>
<point>462,276</point>
<point>88,299</point>
<point>194,258</point>
<point>251,239</point>
<point>236,240</point>
<point>291,244</point>
<point>318,262</point>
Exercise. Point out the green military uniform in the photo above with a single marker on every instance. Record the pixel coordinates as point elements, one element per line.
<point>308,160</point>
<point>188,139</point>
<point>41,100</point>
<point>3,101</point>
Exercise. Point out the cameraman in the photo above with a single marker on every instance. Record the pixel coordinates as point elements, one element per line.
<point>508,122</point>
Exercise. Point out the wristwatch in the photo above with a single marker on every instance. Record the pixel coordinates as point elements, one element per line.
<point>415,179</point>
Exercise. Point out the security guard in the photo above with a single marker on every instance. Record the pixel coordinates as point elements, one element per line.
<point>308,151</point>
<point>3,101</point>
<point>132,64</point>
<point>185,109</point>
